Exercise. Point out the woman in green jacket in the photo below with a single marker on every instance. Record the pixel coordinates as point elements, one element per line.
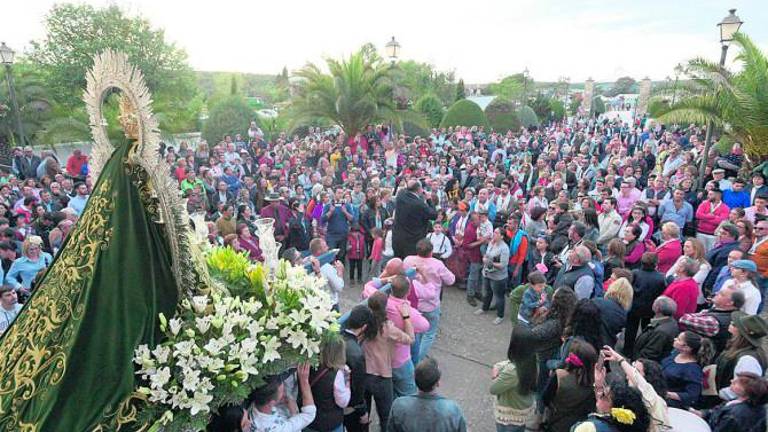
<point>514,383</point>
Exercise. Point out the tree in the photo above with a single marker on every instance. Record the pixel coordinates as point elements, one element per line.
<point>575,104</point>
<point>598,106</point>
<point>527,116</point>
<point>228,117</point>
<point>44,121</point>
<point>432,108</point>
<point>557,109</point>
<point>76,33</point>
<point>355,93</point>
<point>460,90</point>
<point>422,79</point>
<point>510,87</point>
<point>623,85</point>
<point>233,86</point>
<point>737,102</point>
<point>464,113</point>
<point>541,106</point>
<point>502,116</point>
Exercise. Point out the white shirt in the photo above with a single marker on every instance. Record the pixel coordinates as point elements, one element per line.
<point>7,316</point>
<point>752,297</point>
<point>388,251</point>
<point>441,245</point>
<point>275,422</point>
<point>335,282</point>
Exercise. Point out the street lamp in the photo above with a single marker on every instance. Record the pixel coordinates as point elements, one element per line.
<point>728,28</point>
<point>393,50</point>
<point>6,56</point>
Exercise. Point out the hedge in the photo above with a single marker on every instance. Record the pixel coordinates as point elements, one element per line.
<point>464,113</point>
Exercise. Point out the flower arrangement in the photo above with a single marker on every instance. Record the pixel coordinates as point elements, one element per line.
<point>219,347</point>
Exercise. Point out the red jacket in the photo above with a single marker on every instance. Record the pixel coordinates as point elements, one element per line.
<point>668,253</point>
<point>709,218</point>
<point>685,293</point>
<point>355,245</point>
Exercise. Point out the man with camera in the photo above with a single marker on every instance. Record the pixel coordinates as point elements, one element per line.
<point>337,218</point>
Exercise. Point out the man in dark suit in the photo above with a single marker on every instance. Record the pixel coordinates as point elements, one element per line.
<point>412,216</point>
<point>222,195</point>
<point>717,257</point>
<point>27,164</point>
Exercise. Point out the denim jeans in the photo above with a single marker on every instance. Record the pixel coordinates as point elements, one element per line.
<point>509,428</point>
<point>424,341</point>
<point>474,279</point>
<point>403,382</point>
<point>380,390</point>
<point>493,288</point>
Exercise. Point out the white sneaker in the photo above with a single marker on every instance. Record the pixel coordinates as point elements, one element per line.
<point>498,320</point>
<point>479,312</point>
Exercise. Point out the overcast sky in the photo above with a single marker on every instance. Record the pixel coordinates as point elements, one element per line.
<point>483,40</point>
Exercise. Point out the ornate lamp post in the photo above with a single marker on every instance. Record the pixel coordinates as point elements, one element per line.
<point>393,50</point>
<point>728,28</point>
<point>7,56</point>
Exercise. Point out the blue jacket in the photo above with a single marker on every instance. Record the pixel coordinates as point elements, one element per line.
<point>425,412</point>
<point>26,269</point>
<point>337,223</point>
<point>736,199</point>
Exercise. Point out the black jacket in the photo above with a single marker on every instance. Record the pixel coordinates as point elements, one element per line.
<point>742,417</point>
<point>655,343</point>
<point>27,168</point>
<point>717,258</point>
<point>368,220</point>
<point>299,234</point>
<point>647,286</point>
<point>613,318</point>
<point>356,363</point>
<point>412,216</point>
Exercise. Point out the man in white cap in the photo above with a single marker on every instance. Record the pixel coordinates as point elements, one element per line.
<point>718,176</point>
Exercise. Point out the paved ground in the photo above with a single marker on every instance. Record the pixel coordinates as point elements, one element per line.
<point>467,346</point>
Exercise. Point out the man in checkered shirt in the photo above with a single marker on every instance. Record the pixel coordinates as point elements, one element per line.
<point>713,322</point>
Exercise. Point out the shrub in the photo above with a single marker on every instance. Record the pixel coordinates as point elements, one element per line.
<point>432,108</point>
<point>501,116</point>
<point>412,129</point>
<point>598,106</point>
<point>557,108</point>
<point>464,113</point>
<point>230,116</point>
<point>527,117</point>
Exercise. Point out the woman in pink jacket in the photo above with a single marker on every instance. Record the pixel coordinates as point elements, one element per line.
<point>670,248</point>
<point>635,246</point>
<point>684,290</point>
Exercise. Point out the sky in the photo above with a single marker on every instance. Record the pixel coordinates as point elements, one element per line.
<point>482,40</point>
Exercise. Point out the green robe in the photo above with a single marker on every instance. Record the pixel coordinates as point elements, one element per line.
<point>66,362</point>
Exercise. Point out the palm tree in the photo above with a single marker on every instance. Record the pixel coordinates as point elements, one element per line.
<point>356,92</point>
<point>43,120</point>
<point>735,102</point>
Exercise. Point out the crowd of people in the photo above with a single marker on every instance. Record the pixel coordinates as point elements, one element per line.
<point>634,282</point>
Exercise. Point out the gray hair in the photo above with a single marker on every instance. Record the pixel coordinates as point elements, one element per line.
<point>672,229</point>
<point>664,306</point>
<point>690,266</point>
<point>583,254</point>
